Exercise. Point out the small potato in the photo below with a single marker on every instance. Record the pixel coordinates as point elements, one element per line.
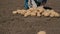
<point>40,9</point>
<point>57,15</point>
<point>46,13</point>
<point>19,11</point>
<point>54,14</point>
<point>41,32</point>
<point>32,9</point>
<point>38,14</point>
<point>23,12</point>
<point>15,12</point>
<point>33,13</point>
<point>27,13</point>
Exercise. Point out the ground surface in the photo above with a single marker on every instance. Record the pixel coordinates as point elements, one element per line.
<point>17,24</point>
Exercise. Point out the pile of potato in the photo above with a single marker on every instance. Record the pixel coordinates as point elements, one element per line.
<point>40,11</point>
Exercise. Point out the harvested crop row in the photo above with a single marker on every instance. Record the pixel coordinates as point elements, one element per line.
<point>40,11</point>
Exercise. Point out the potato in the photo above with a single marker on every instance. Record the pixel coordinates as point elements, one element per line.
<point>23,12</point>
<point>32,9</point>
<point>46,13</point>
<point>54,14</point>
<point>40,9</point>
<point>27,13</point>
<point>19,11</point>
<point>15,12</point>
<point>38,14</point>
<point>33,13</point>
<point>57,15</point>
<point>41,32</point>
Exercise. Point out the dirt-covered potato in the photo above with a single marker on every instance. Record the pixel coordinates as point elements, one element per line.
<point>21,11</point>
<point>38,14</point>
<point>27,13</point>
<point>54,14</point>
<point>33,13</point>
<point>32,9</point>
<point>40,9</point>
<point>57,15</point>
<point>14,12</point>
<point>46,13</point>
<point>41,32</point>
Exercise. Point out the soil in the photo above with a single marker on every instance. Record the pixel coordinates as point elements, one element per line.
<point>17,24</point>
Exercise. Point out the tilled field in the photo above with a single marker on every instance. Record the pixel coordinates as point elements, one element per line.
<point>17,24</point>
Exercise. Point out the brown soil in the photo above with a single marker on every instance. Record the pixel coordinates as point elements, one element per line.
<point>17,24</point>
